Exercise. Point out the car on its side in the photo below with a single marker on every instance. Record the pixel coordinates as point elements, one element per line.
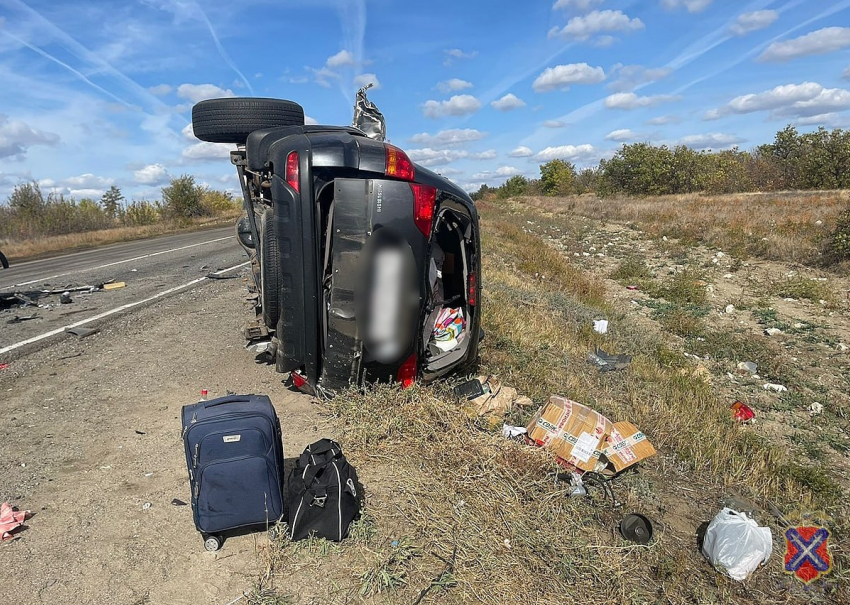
<point>367,266</point>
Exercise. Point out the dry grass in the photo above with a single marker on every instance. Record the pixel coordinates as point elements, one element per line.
<point>44,246</point>
<point>774,226</point>
<point>452,506</point>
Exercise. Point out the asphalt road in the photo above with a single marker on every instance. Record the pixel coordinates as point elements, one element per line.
<point>151,269</point>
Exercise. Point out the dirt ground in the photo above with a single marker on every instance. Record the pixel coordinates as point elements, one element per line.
<point>92,434</point>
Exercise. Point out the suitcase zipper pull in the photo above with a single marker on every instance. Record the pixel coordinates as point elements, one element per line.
<point>197,454</point>
<point>197,490</point>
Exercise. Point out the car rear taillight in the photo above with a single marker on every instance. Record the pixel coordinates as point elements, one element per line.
<point>407,372</point>
<point>398,164</point>
<point>293,171</point>
<point>470,298</point>
<point>297,379</point>
<point>424,200</point>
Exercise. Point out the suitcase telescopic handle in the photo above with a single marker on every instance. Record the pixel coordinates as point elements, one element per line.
<point>230,399</point>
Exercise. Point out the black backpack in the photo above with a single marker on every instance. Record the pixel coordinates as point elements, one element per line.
<point>322,494</point>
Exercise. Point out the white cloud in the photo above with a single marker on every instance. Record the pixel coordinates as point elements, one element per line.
<point>366,79</point>
<point>622,135</point>
<point>789,100</point>
<point>583,27</point>
<point>490,154</point>
<point>827,120</point>
<point>453,85</point>
<point>506,171</point>
<point>521,152</point>
<point>198,92</point>
<point>561,77</point>
<point>629,100</point>
<point>342,59</point>
<point>324,76</point>
<point>454,136</point>
<point>554,124</point>
<point>16,137</point>
<point>87,181</point>
<point>630,77</point>
<point>89,193</point>
<point>456,53</point>
<point>754,21</point>
<point>568,152</point>
<point>308,120</point>
<point>207,151</point>
<point>820,42</point>
<point>436,157</point>
<point>693,6</point>
<point>152,174</point>
<point>579,5</point>
<point>663,120</point>
<point>188,132</point>
<point>160,90</point>
<point>458,105</point>
<point>508,102</point>
<point>846,73</point>
<point>714,140</point>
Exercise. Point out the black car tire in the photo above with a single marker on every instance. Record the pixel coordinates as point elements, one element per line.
<point>231,120</point>
<point>270,271</point>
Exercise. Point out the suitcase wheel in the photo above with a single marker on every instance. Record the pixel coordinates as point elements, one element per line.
<point>212,543</point>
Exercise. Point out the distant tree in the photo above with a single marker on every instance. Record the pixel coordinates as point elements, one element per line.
<point>111,202</point>
<point>183,198</point>
<point>558,178</point>
<point>27,199</point>
<point>482,192</point>
<point>513,187</point>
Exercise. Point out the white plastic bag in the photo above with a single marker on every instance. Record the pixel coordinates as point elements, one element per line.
<point>735,543</point>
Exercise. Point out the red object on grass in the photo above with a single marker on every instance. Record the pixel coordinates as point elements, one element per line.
<point>3,366</point>
<point>742,412</point>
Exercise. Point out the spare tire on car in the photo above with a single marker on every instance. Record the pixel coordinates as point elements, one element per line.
<point>231,120</point>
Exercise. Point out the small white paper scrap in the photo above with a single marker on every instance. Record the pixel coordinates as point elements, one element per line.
<point>584,447</point>
<point>600,325</point>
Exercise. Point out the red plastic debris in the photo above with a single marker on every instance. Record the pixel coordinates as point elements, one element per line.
<point>742,412</point>
<point>3,366</point>
<point>631,287</point>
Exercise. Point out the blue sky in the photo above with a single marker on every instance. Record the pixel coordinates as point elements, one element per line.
<point>100,92</point>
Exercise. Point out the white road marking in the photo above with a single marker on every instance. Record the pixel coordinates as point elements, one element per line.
<point>118,262</point>
<point>28,341</point>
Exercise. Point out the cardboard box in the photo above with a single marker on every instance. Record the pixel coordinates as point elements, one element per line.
<point>626,445</point>
<point>572,431</point>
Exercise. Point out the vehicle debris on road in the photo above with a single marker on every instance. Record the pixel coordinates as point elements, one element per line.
<point>777,388</point>
<point>736,544</point>
<point>747,367</point>
<point>742,412</point>
<point>496,401</point>
<point>636,528</point>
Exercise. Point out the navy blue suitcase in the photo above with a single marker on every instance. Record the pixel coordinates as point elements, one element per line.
<point>235,459</point>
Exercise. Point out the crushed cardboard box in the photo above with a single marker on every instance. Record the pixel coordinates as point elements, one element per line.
<point>585,439</point>
<point>498,400</point>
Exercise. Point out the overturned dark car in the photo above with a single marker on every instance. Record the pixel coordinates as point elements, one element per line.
<point>366,266</point>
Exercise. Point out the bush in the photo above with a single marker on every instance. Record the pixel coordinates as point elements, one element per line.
<point>183,199</point>
<point>840,244</point>
<point>558,178</point>
<point>140,213</point>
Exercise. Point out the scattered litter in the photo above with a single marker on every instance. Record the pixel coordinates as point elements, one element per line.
<point>496,400</point>
<point>10,520</point>
<point>730,309</point>
<point>778,388</point>
<point>148,474</point>
<point>816,409</point>
<point>114,285</point>
<point>636,528</point>
<point>773,331</point>
<point>747,367</point>
<point>82,332</point>
<point>515,433</point>
<point>585,439</point>
<point>631,287</point>
<point>469,389</point>
<point>138,432</point>
<point>736,544</point>
<point>177,502</point>
<point>841,347</point>
<point>146,506</point>
<point>65,298</point>
<point>578,486</point>
<point>600,326</point>
<point>221,276</point>
<point>606,362</point>
<point>71,356</point>
<point>259,348</point>
<point>3,366</point>
<point>742,412</point>
<point>133,270</point>
<point>798,325</point>
<point>18,319</point>
<point>728,276</point>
